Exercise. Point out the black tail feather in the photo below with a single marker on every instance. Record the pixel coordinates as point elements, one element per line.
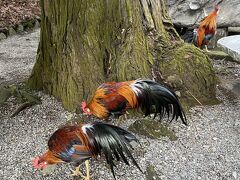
<point>113,142</point>
<point>158,99</point>
<point>190,36</point>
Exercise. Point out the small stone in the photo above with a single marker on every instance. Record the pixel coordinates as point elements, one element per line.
<point>11,31</point>
<point>134,144</point>
<point>174,81</point>
<point>4,30</point>
<point>194,5</point>
<point>234,29</point>
<point>178,93</point>
<point>184,159</point>
<point>234,174</point>
<point>49,169</point>
<point>206,146</point>
<point>20,28</point>
<point>2,36</point>
<point>37,24</point>
<point>101,172</point>
<point>44,117</point>
<point>38,18</point>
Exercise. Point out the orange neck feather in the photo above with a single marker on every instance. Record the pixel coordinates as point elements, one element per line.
<point>95,106</point>
<point>209,21</point>
<point>50,158</point>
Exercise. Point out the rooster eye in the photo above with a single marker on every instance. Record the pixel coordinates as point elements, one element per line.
<point>88,110</point>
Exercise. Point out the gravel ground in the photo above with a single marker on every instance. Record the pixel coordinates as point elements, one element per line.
<point>209,148</point>
<point>17,57</point>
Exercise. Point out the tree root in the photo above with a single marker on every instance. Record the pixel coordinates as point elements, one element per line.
<point>22,107</point>
<point>22,95</point>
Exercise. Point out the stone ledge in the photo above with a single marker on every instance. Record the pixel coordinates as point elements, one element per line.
<point>231,45</point>
<point>24,26</point>
<point>219,55</point>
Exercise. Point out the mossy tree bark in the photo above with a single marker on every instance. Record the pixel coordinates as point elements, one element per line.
<point>84,43</point>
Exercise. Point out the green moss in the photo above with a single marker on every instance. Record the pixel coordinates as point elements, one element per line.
<point>151,173</point>
<point>196,72</point>
<point>152,129</point>
<point>29,24</point>
<point>5,93</point>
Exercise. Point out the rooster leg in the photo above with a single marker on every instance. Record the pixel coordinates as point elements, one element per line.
<point>206,48</point>
<point>120,120</point>
<point>87,169</point>
<point>204,11</point>
<point>77,172</point>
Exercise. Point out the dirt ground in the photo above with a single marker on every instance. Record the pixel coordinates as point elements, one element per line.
<point>13,12</point>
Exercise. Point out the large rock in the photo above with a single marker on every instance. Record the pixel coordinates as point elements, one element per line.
<point>188,13</point>
<point>231,45</point>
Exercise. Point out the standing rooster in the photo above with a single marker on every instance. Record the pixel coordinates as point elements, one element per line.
<point>114,98</point>
<point>206,30</point>
<point>78,143</point>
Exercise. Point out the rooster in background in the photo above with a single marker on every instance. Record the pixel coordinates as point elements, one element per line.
<point>114,98</point>
<point>205,32</point>
<point>78,143</point>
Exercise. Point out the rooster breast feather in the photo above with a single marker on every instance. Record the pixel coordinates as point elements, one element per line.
<point>112,99</point>
<point>69,145</point>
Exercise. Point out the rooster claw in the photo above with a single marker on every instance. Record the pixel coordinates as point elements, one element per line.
<point>77,172</point>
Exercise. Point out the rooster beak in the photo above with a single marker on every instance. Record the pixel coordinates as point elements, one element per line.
<point>35,162</point>
<point>87,111</point>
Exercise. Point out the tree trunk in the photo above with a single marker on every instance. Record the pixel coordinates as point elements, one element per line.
<point>85,43</point>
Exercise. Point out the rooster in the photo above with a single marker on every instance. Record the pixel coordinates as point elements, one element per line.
<point>78,143</point>
<point>205,32</point>
<point>114,98</point>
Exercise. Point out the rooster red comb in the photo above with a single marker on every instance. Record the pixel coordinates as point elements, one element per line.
<point>84,105</point>
<point>35,162</point>
<point>217,7</point>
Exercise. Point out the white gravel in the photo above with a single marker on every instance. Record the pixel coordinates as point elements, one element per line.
<point>209,148</point>
<point>17,57</point>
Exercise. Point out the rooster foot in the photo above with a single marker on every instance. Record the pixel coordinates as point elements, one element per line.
<point>121,119</point>
<point>77,172</point>
<point>206,48</point>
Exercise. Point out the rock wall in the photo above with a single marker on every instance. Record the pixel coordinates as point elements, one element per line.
<point>188,13</point>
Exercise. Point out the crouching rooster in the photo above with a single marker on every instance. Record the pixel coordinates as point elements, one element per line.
<point>114,98</point>
<point>78,143</point>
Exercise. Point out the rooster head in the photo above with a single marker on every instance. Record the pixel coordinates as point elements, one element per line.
<point>38,163</point>
<point>85,109</point>
<point>217,8</point>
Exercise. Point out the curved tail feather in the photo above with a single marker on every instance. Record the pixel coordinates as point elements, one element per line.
<point>158,99</point>
<point>188,36</point>
<point>113,141</point>
<point>191,36</point>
